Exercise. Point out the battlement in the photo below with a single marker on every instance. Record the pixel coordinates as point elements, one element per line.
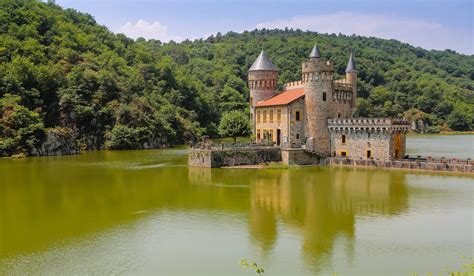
<point>342,86</point>
<point>369,124</point>
<point>293,85</point>
<point>318,65</point>
<point>368,121</point>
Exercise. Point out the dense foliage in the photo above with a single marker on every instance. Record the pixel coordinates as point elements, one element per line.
<point>64,70</point>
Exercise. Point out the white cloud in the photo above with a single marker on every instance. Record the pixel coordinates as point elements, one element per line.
<point>420,33</point>
<point>153,30</point>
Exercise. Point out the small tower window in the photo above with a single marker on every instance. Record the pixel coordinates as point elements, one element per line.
<point>343,139</point>
<point>297,136</point>
<point>324,96</point>
<point>297,116</point>
<point>369,154</point>
<point>338,115</point>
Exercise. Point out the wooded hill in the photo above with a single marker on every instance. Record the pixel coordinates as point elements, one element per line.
<point>61,72</point>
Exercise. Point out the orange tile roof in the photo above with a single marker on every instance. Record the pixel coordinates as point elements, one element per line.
<point>283,98</point>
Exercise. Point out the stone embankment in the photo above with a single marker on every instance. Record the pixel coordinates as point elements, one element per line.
<point>423,164</point>
<point>216,157</point>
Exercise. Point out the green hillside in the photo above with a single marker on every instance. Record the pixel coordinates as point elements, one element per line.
<point>61,72</point>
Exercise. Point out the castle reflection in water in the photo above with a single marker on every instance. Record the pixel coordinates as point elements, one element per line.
<point>319,204</point>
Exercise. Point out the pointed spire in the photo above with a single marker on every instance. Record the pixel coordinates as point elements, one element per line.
<point>263,63</point>
<point>351,67</point>
<point>315,53</point>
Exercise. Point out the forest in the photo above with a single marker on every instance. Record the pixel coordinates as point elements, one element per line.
<point>63,74</point>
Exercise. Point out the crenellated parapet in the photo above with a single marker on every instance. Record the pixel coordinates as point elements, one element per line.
<point>372,125</point>
<point>317,70</point>
<point>342,91</point>
<point>293,85</point>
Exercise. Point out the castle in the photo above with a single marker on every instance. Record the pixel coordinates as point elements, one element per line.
<point>315,113</point>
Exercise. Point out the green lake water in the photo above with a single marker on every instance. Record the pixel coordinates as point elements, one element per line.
<point>147,212</point>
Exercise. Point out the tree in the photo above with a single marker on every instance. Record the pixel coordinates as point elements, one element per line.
<point>459,121</point>
<point>21,130</point>
<point>234,124</point>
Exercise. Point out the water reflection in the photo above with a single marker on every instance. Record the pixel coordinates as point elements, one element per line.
<point>321,204</point>
<point>45,201</point>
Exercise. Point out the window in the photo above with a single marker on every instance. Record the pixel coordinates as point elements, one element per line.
<point>258,135</point>
<point>324,96</point>
<point>368,135</point>
<point>271,115</point>
<point>258,116</point>
<point>344,153</point>
<point>343,139</point>
<point>264,116</point>
<point>251,101</point>
<point>278,115</point>
<point>338,115</point>
<point>396,154</point>
<point>297,116</point>
<point>297,136</point>
<point>369,154</point>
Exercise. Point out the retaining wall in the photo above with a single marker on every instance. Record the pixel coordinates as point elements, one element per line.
<point>300,157</point>
<point>215,158</point>
<point>433,165</point>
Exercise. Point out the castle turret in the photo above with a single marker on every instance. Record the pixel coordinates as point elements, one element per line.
<point>262,80</point>
<point>317,76</point>
<point>351,77</point>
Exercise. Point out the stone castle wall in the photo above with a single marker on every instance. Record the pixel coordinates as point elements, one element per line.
<point>357,144</point>
<point>383,137</point>
<point>297,128</point>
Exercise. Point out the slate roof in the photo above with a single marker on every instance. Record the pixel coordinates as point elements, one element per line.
<point>350,65</point>
<point>283,98</point>
<point>315,53</point>
<point>263,63</point>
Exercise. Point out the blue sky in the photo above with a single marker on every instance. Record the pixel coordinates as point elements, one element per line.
<point>435,24</point>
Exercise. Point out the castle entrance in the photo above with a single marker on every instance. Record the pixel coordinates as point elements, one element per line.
<point>278,136</point>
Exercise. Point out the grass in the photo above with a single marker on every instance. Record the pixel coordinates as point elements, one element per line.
<point>231,140</point>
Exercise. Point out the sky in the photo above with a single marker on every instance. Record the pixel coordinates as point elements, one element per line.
<point>430,24</point>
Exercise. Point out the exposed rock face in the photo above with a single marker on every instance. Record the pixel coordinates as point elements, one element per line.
<point>59,141</point>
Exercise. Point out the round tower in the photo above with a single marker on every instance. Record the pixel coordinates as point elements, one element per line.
<point>351,77</point>
<point>317,76</point>
<point>262,81</point>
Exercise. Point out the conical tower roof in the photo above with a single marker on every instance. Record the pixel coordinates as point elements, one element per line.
<point>351,66</point>
<point>315,53</point>
<point>263,63</point>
